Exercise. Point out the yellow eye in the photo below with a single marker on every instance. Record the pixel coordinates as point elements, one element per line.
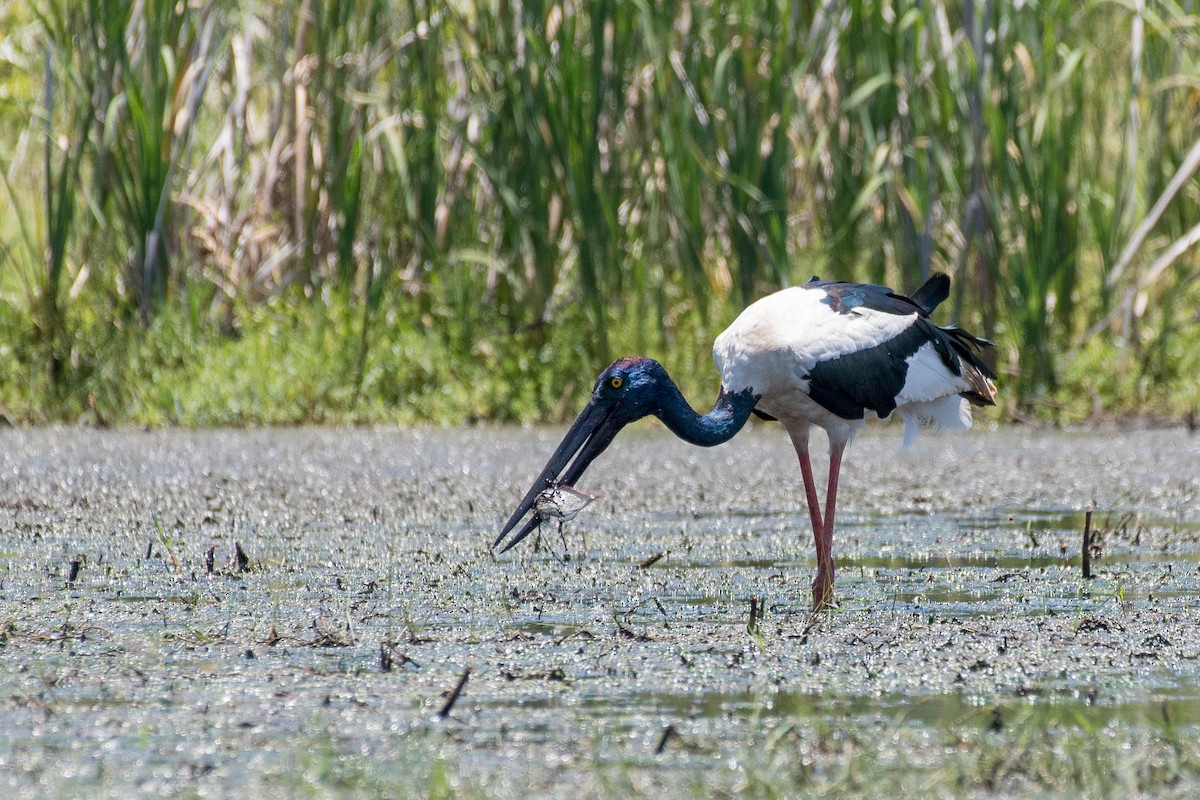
<point>616,382</point>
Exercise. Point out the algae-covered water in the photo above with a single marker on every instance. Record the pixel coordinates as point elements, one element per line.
<point>140,653</point>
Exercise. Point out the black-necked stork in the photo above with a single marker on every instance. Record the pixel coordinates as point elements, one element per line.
<point>826,353</point>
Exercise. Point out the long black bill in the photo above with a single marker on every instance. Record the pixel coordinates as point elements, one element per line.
<point>591,433</point>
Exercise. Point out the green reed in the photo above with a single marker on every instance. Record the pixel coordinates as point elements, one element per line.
<point>497,170</point>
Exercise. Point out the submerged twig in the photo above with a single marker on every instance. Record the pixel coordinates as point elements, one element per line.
<point>1087,545</point>
<point>652,560</point>
<point>389,654</point>
<point>453,698</point>
<point>76,565</point>
<point>630,633</point>
<point>667,733</point>
<point>756,613</point>
<point>240,559</point>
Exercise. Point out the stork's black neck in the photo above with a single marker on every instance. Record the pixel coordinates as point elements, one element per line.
<point>727,417</point>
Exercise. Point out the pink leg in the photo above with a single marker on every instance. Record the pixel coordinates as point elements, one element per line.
<point>823,583</point>
<point>800,442</point>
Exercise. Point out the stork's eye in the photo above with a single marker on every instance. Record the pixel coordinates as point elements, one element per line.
<point>616,382</point>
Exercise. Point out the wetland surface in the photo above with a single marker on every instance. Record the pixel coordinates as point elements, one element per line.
<point>140,653</point>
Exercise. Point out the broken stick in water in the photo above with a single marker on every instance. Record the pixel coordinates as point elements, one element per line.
<point>453,698</point>
<point>1087,545</point>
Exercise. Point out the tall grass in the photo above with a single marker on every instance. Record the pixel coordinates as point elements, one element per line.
<point>150,64</point>
<point>507,175</point>
<point>1035,131</point>
<point>42,253</point>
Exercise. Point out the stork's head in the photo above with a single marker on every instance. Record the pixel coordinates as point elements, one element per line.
<point>629,389</point>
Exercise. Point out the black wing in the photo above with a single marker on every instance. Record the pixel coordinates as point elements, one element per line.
<point>845,297</point>
<point>872,378</point>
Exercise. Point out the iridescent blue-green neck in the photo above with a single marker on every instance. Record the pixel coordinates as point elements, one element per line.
<point>727,417</point>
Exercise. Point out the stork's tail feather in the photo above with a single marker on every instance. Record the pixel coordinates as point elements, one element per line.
<point>979,376</point>
<point>932,292</point>
<point>982,391</point>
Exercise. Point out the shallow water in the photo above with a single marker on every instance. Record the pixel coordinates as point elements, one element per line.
<point>961,603</point>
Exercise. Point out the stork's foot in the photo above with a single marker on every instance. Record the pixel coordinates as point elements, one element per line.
<point>822,594</point>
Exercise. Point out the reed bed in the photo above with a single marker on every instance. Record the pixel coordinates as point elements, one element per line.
<point>536,186</point>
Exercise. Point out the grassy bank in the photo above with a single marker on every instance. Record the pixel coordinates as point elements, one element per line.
<point>291,361</point>
<point>465,210</point>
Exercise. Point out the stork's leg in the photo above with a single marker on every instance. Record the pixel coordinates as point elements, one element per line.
<point>800,442</point>
<point>823,583</point>
<point>822,588</point>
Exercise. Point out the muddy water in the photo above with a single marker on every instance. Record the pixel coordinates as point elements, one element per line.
<point>959,586</point>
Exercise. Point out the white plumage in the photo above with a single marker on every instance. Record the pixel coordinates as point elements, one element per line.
<point>774,344</point>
